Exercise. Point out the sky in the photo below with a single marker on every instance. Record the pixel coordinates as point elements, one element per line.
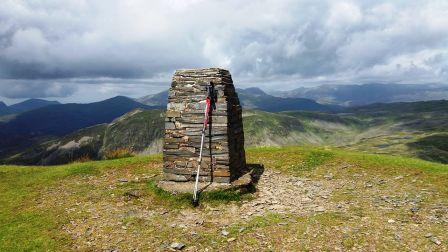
<point>83,51</point>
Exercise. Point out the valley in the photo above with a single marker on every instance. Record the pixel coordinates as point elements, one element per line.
<point>415,129</point>
<point>49,133</point>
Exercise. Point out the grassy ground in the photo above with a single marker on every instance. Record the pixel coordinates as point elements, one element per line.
<point>377,202</point>
<point>26,222</point>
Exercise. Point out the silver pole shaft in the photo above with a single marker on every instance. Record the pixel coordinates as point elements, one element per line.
<point>195,191</point>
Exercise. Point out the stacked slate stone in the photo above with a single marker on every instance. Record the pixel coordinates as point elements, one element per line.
<point>224,158</point>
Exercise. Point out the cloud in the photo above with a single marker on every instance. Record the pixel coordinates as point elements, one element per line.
<point>265,41</point>
<point>14,89</point>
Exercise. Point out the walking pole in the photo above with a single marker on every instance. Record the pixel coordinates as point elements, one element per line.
<point>209,102</point>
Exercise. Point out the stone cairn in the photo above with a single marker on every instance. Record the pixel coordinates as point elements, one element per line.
<point>224,158</point>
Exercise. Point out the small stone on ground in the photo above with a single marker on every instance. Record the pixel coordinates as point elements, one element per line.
<point>435,240</point>
<point>177,245</point>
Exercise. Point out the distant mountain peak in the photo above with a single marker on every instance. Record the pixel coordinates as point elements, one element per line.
<point>27,105</point>
<point>119,100</point>
<point>252,98</point>
<point>31,104</point>
<point>4,109</point>
<point>36,100</point>
<point>118,97</point>
<point>255,91</point>
<point>39,100</point>
<point>158,99</point>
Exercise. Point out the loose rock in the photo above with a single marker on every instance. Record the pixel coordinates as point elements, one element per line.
<point>435,240</point>
<point>329,177</point>
<point>177,245</point>
<point>136,193</point>
<point>320,209</point>
<point>89,232</point>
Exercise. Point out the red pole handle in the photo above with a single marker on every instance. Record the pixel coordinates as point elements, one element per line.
<point>207,111</point>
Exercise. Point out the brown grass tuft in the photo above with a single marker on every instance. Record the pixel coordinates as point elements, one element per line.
<point>119,153</point>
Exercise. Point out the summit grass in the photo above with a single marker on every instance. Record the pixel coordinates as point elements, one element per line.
<point>39,205</point>
<point>25,224</point>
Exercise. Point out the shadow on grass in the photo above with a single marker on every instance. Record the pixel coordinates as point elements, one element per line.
<point>256,171</point>
<point>432,148</point>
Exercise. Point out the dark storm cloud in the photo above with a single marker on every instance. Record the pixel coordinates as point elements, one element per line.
<point>15,89</point>
<point>266,41</point>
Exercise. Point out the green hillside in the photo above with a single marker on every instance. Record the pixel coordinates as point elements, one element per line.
<point>404,129</point>
<point>35,126</point>
<point>299,128</point>
<point>322,199</point>
<point>82,144</point>
<point>411,129</point>
<point>139,131</point>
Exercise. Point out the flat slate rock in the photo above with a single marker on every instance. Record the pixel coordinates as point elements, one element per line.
<point>187,186</point>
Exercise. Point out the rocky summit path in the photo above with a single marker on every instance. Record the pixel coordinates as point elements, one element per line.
<point>279,193</point>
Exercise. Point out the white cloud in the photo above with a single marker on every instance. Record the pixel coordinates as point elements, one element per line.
<point>343,15</point>
<point>280,42</point>
<point>215,53</point>
<point>28,46</point>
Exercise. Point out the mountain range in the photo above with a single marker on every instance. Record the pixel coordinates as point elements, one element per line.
<point>51,133</point>
<point>359,95</point>
<point>138,131</point>
<point>58,120</point>
<point>416,129</point>
<point>254,98</point>
<point>24,106</point>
